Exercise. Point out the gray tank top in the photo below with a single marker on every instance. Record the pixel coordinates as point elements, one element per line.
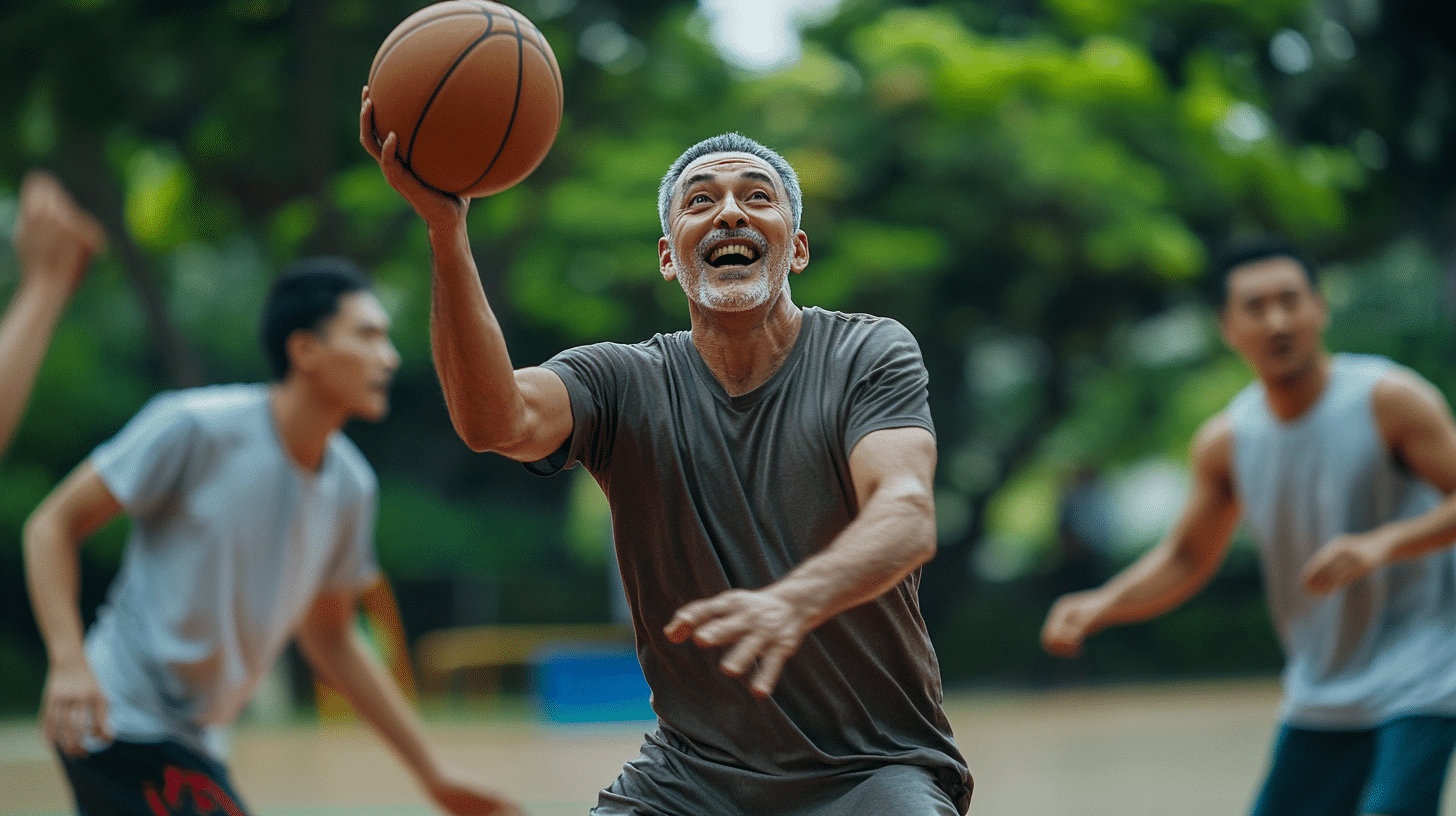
<point>1384,646</point>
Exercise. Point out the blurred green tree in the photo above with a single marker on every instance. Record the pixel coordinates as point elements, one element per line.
<point>1030,187</point>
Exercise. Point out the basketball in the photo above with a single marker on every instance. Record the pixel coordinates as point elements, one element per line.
<point>472,92</point>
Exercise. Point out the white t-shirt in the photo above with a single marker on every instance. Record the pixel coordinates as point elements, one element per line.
<point>230,544</point>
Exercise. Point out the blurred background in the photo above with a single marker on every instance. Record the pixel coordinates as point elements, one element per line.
<point>1031,186</point>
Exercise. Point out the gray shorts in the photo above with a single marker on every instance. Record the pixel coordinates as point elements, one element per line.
<point>669,779</point>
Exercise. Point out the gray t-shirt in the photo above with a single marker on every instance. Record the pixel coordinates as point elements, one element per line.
<point>230,544</point>
<point>1385,645</point>
<point>711,492</point>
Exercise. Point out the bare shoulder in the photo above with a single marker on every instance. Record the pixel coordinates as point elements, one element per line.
<point>1212,449</point>
<point>1402,392</point>
<point>1406,404</point>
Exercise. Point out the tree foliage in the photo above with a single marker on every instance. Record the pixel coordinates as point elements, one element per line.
<point>1032,188</point>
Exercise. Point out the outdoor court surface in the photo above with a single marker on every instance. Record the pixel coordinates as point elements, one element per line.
<point>1189,749</point>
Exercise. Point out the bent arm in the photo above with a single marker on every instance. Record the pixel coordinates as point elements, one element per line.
<point>55,241</point>
<point>526,414</point>
<point>892,535</point>
<point>1174,570</point>
<point>338,653</point>
<point>1419,432</point>
<point>72,705</point>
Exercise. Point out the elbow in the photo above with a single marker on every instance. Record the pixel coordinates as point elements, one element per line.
<point>474,439</point>
<point>925,546</point>
<point>42,525</point>
<point>922,544</point>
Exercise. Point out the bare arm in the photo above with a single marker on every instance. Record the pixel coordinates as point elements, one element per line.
<point>1173,571</point>
<point>893,534</point>
<point>1419,432</point>
<point>55,241</point>
<point>338,653</point>
<point>526,414</point>
<point>72,705</point>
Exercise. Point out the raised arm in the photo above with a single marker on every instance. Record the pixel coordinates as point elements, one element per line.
<point>1173,571</point>
<point>525,414</point>
<point>72,706</point>
<point>1420,433</point>
<point>54,242</point>
<point>894,532</point>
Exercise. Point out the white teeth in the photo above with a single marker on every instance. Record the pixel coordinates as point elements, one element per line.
<point>733,249</point>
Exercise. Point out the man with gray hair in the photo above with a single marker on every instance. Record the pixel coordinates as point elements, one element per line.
<point>769,473</point>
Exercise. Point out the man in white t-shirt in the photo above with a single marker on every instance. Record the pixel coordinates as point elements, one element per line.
<point>252,523</point>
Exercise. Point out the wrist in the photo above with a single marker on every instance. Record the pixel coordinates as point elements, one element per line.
<point>67,658</point>
<point>810,603</point>
<point>44,289</point>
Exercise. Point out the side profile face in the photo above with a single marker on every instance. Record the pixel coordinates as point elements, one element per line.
<point>350,360</point>
<point>732,242</point>
<point>1274,318</point>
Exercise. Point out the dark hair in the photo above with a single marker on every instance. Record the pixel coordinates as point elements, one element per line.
<point>1242,251</point>
<point>304,297</point>
<point>729,143</point>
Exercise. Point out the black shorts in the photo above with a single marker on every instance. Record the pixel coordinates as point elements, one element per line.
<point>150,779</point>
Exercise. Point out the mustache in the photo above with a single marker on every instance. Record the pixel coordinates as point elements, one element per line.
<point>748,234</point>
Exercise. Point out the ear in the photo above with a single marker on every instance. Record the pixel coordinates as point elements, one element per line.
<point>800,258</point>
<point>664,259</point>
<point>302,347</point>
<point>1223,326</point>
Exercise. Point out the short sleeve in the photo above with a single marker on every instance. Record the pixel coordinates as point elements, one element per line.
<point>144,463</point>
<point>355,565</point>
<point>891,387</point>
<point>593,378</point>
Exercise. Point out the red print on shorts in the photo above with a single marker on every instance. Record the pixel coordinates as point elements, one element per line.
<point>207,795</point>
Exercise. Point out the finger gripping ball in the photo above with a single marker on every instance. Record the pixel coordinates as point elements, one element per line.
<point>472,92</point>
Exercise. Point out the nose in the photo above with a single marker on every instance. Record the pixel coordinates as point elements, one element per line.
<point>730,215</point>
<point>391,358</point>
<point>1277,318</point>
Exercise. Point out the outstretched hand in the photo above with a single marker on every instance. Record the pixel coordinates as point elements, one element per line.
<point>439,210</point>
<point>1072,619</point>
<point>1345,559</point>
<point>459,795</point>
<point>763,628</point>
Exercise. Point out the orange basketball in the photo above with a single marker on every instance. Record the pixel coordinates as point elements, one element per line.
<point>473,93</point>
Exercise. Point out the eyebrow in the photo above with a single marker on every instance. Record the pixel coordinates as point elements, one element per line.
<point>753,174</point>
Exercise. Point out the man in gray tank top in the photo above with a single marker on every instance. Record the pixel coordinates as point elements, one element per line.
<point>1344,469</point>
<point>769,473</point>
<point>252,521</point>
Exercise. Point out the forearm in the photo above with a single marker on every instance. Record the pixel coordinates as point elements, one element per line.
<point>52,574</point>
<point>892,536</point>
<point>1158,582</point>
<point>344,661</point>
<point>469,347</point>
<point>24,337</point>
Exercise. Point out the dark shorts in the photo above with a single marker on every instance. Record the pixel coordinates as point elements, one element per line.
<point>669,779</point>
<point>1396,769</point>
<point>150,779</point>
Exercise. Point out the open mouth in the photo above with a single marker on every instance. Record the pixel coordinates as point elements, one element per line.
<point>737,253</point>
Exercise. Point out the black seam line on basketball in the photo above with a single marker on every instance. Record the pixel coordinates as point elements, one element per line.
<point>543,49</point>
<point>405,35</point>
<point>515,105</point>
<point>425,109</point>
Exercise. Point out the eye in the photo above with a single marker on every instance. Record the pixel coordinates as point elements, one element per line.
<point>700,198</point>
<point>759,194</point>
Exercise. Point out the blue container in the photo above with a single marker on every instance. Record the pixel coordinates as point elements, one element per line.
<point>584,685</point>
